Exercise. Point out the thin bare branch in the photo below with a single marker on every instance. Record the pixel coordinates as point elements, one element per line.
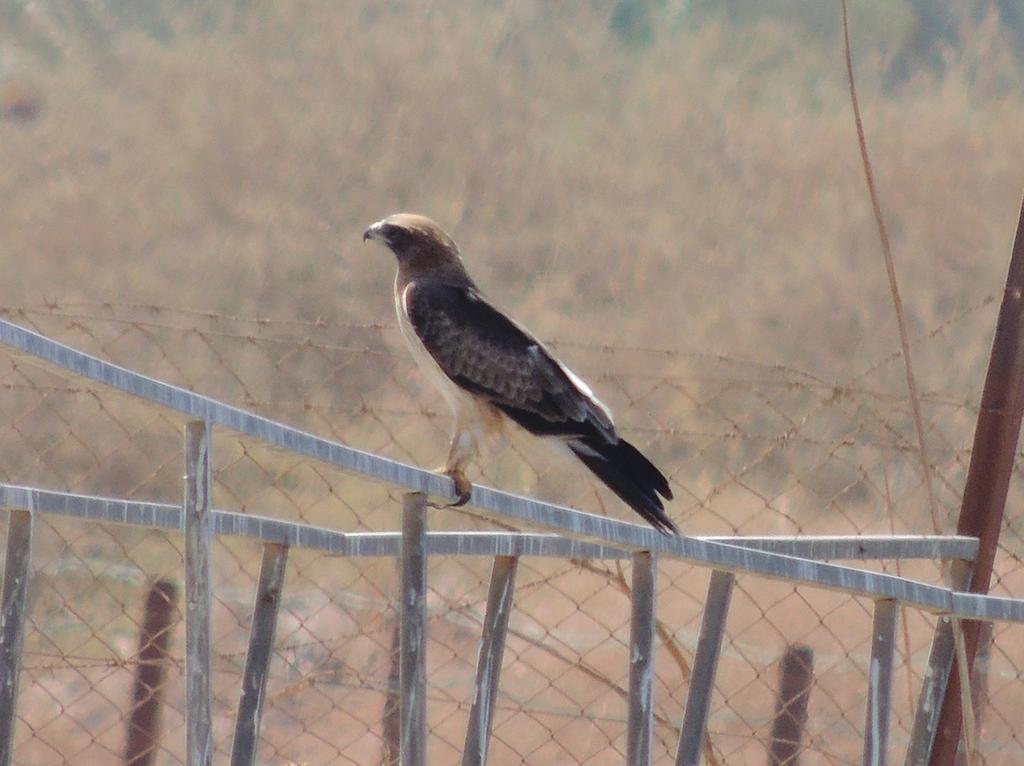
<point>890,270</point>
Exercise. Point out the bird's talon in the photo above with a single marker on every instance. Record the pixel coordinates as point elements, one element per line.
<point>463,487</point>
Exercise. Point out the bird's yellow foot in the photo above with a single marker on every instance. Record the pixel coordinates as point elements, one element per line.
<point>463,487</point>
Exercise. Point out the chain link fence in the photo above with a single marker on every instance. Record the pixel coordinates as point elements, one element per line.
<point>750,448</point>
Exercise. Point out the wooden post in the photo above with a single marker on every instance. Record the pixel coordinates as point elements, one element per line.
<point>147,697</point>
<point>796,677</point>
<point>392,723</point>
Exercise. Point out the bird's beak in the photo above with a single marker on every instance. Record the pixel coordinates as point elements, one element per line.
<point>374,231</point>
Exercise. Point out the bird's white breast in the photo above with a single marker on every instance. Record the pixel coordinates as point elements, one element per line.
<point>452,394</point>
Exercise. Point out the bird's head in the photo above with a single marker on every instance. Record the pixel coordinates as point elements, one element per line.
<point>414,237</point>
<point>423,249</point>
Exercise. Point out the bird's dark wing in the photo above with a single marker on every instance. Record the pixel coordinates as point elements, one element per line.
<point>489,355</point>
<point>486,353</point>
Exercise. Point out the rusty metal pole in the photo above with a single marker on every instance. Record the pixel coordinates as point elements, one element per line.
<point>988,477</point>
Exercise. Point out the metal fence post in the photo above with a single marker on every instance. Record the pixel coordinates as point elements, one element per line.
<point>12,623</point>
<point>879,708</point>
<point>261,646</point>
<point>198,539</point>
<point>413,611</point>
<point>705,665</point>
<point>641,660</point>
<point>488,665</point>
<point>936,677</point>
<point>979,690</point>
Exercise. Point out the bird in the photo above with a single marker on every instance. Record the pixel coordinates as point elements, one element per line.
<point>490,369</point>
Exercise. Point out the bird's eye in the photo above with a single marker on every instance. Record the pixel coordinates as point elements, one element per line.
<point>396,236</point>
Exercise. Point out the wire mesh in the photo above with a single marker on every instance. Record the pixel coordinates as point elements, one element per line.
<point>750,448</point>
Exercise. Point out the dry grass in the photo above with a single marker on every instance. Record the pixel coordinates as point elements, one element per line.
<point>707,199</point>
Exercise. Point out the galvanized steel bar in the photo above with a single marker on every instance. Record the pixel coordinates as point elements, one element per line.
<point>637,536</point>
<point>978,695</point>
<point>641,660</point>
<point>731,557</point>
<point>860,547</point>
<point>858,582</point>
<point>295,535</point>
<point>13,611</point>
<point>413,600</point>
<point>488,664</point>
<point>879,708</point>
<point>198,541</point>
<point>936,678</point>
<point>705,665</point>
<point>202,407</point>
<point>566,520</point>
<point>706,551</point>
<point>261,646</point>
<point>969,744</point>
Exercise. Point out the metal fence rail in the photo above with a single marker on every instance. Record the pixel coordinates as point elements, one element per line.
<point>583,537</point>
<point>782,558</point>
<point>279,536</point>
<point>568,521</point>
<point>168,516</point>
<point>413,545</point>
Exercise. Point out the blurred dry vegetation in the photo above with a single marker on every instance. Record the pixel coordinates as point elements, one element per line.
<point>642,173</point>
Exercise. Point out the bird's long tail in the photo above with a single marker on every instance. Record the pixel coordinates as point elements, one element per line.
<point>629,475</point>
